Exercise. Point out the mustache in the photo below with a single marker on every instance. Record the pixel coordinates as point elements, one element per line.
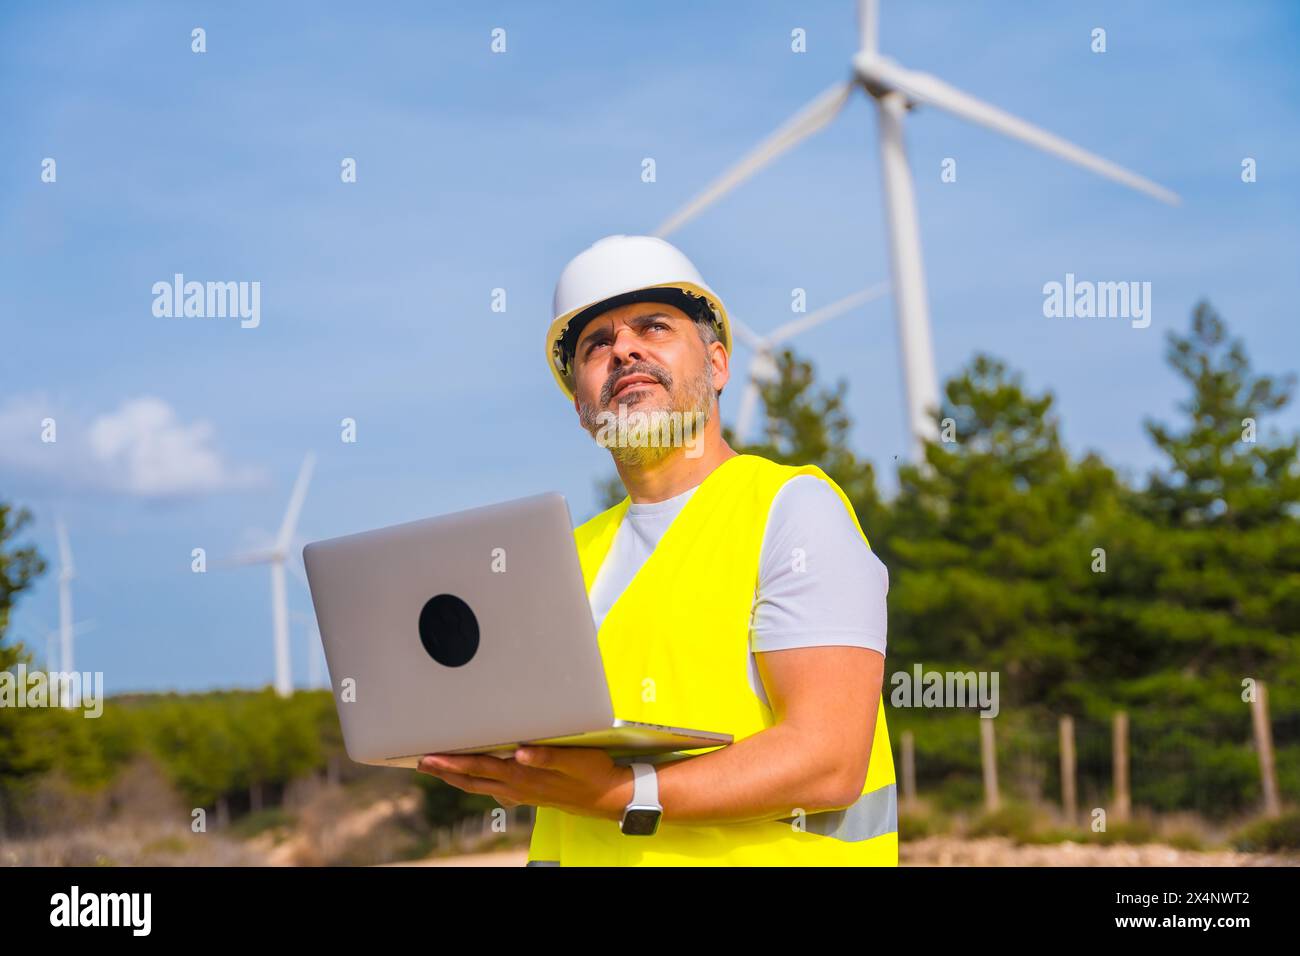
<point>660,375</point>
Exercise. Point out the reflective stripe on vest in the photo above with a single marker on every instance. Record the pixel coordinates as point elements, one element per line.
<point>675,648</point>
<point>871,815</point>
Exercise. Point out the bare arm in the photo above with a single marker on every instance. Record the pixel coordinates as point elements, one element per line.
<point>825,701</point>
<point>814,758</point>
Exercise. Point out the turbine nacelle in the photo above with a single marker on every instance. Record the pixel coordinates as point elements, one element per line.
<point>763,368</point>
<point>872,73</point>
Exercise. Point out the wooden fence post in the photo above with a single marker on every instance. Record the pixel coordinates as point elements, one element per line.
<point>989,758</point>
<point>1120,763</point>
<point>909,770</point>
<point>1069,799</point>
<point>1264,748</point>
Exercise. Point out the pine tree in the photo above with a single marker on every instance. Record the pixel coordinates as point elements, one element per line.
<point>1212,558</point>
<point>21,754</point>
<point>1220,473</point>
<point>803,426</point>
<point>988,545</point>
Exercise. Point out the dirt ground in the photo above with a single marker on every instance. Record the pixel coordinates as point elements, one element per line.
<point>991,851</point>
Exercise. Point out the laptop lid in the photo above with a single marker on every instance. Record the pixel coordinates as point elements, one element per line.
<point>460,630</point>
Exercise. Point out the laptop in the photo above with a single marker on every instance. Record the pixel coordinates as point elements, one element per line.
<point>471,633</point>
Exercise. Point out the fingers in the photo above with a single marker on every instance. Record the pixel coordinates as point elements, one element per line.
<point>472,765</point>
<point>581,762</point>
<point>522,768</point>
<point>539,758</point>
<point>475,773</point>
<point>491,788</point>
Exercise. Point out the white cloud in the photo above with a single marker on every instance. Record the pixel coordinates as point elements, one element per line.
<point>141,448</point>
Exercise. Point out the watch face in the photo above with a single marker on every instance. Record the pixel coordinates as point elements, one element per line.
<point>641,821</point>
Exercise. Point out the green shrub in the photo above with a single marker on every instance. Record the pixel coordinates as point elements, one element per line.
<point>918,823</point>
<point>1130,831</point>
<point>1265,835</point>
<point>1011,820</point>
<point>1058,835</point>
<point>1185,840</point>
<point>271,818</point>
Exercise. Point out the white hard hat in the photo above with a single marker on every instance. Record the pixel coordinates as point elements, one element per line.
<point>619,269</point>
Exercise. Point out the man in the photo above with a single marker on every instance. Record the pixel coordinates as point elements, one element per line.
<point>730,593</point>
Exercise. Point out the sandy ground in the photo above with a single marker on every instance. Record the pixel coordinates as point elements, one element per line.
<point>504,858</point>
<point>999,851</point>
<point>993,851</point>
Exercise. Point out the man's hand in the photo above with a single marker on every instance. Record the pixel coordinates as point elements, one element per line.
<point>579,780</point>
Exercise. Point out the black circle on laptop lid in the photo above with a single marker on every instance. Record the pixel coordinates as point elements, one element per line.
<point>449,630</point>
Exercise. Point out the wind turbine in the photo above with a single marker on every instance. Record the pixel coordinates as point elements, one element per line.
<point>762,367</point>
<point>897,90</point>
<point>66,573</point>
<point>277,556</point>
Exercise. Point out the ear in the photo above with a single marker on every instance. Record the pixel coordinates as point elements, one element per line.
<point>721,365</point>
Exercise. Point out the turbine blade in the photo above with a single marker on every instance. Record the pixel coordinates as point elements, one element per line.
<point>925,88</point>
<point>746,334</point>
<point>245,559</point>
<point>817,114</point>
<point>295,504</point>
<point>832,311</point>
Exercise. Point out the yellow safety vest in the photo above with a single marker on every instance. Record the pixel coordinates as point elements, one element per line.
<point>675,646</point>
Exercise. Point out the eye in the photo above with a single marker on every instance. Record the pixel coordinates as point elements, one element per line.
<point>660,325</point>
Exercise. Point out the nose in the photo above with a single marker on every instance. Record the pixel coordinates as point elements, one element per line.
<point>625,350</point>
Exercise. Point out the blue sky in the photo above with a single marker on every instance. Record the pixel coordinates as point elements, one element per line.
<point>477,171</point>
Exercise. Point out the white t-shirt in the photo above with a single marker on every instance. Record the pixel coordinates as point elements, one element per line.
<point>832,593</point>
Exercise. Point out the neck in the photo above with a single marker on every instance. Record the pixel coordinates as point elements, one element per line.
<point>676,472</point>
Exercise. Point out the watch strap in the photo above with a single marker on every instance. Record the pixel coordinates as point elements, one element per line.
<point>645,786</point>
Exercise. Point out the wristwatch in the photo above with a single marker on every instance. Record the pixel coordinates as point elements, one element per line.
<point>642,813</point>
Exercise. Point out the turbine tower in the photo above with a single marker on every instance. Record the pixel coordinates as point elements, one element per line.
<point>314,649</point>
<point>66,574</point>
<point>895,91</point>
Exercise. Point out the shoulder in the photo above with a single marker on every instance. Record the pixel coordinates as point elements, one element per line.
<point>811,514</point>
<point>809,496</point>
<point>810,506</point>
<point>819,581</point>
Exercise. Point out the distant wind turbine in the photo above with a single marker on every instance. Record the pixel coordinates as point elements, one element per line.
<point>66,627</point>
<point>897,90</point>
<point>762,367</point>
<point>277,556</point>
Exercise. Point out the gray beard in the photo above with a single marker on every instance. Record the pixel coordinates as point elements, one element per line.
<point>696,401</point>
